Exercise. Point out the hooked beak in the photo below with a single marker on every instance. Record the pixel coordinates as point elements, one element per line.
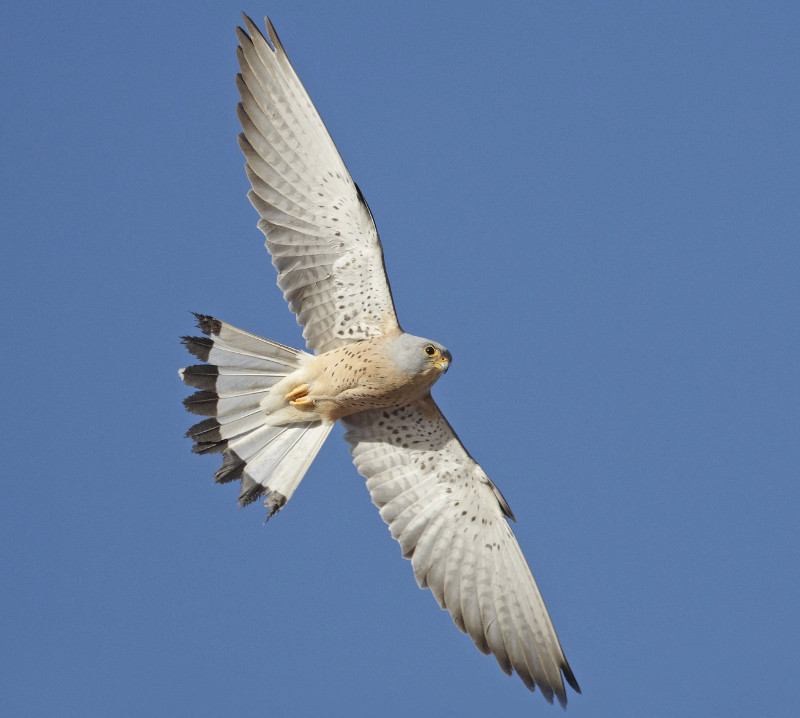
<point>443,363</point>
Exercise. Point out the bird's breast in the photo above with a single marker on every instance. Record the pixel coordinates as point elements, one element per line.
<point>362,376</point>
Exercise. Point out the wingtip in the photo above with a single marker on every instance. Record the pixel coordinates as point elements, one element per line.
<point>251,31</point>
<point>570,677</point>
<point>242,38</point>
<point>273,35</point>
<point>249,24</point>
<point>561,692</point>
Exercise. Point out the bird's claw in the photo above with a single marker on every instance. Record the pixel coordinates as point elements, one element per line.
<point>299,396</point>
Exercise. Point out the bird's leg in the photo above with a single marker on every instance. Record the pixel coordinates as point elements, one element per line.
<point>299,396</point>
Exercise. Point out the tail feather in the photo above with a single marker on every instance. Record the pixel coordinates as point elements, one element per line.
<point>220,353</point>
<point>216,403</point>
<point>204,376</point>
<point>231,470</point>
<point>227,346</point>
<point>216,430</point>
<point>240,340</point>
<point>281,458</point>
<point>241,372</point>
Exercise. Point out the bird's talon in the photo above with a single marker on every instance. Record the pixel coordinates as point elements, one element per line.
<point>302,401</point>
<point>296,393</point>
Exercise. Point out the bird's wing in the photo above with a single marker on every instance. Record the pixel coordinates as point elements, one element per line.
<point>319,229</point>
<point>450,521</point>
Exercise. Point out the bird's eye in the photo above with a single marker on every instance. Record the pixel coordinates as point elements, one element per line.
<point>431,350</point>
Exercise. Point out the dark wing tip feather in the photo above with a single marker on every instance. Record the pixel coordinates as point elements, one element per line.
<point>504,507</point>
<point>363,200</point>
<point>568,674</point>
<point>559,690</point>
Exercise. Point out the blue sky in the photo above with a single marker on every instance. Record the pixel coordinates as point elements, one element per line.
<point>595,207</point>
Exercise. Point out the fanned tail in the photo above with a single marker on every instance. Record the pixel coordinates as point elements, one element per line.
<point>240,371</point>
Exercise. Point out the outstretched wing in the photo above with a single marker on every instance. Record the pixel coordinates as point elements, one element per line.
<point>450,521</point>
<point>319,229</point>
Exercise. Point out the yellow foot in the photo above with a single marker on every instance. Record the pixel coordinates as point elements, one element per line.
<point>302,401</point>
<point>299,396</point>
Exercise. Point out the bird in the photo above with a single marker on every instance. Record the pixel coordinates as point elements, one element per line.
<point>270,407</point>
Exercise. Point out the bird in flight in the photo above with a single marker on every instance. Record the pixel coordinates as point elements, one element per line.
<point>271,407</point>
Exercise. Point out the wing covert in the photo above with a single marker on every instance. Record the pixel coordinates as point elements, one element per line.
<point>450,521</point>
<point>318,227</point>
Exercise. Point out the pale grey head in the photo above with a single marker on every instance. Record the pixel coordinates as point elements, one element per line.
<point>416,355</point>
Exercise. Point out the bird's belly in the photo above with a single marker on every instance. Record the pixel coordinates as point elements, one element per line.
<point>359,377</point>
<point>360,398</point>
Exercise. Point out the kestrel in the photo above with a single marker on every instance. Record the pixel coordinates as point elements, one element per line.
<point>271,407</point>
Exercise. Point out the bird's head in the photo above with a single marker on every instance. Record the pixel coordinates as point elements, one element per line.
<point>416,355</point>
